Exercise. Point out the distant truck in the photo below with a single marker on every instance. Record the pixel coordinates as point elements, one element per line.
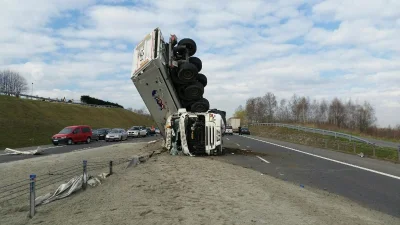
<point>166,75</point>
<point>235,123</point>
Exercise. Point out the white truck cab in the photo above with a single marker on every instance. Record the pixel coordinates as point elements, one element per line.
<point>195,133</point>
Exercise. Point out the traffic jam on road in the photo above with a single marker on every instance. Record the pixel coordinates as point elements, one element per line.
<point>84,133</point>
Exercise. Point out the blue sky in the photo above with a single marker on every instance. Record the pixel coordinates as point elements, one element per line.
<point>317,48</point>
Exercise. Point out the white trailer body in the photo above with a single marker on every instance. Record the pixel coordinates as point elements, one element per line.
<point>150,76</point>
<point>235,123</point>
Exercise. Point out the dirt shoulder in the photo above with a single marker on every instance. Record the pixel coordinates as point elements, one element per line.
<point>188,190</point>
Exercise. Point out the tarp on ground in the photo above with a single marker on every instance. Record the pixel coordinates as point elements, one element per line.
<point>37,151</point>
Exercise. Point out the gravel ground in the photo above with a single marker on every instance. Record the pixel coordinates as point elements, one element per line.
<point>188,190</point>
<point>15,211</point>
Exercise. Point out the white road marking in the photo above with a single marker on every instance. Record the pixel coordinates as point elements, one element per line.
<point>237,144</point>
<point>332,160</point>
<point>3,154</point>
<point>262,159</point>
<point>227,139</point>
<point>248,146</point>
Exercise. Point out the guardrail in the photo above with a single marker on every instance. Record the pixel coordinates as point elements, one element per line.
<point>58,100</point>
<point>316,130</point>
<point>29,188</point>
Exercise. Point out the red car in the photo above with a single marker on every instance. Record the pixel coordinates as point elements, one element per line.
<point>73,134</point>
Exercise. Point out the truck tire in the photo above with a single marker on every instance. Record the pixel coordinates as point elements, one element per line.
<point>194,91</point>
<point>189,44</point>
<point>175,79</point>
<point>202,79</point>
<point>197,62</point>
<point>187,72</point>
<point>201,105</point>
<point>181,94</point>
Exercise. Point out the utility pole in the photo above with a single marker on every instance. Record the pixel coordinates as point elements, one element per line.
<point>32,89</point>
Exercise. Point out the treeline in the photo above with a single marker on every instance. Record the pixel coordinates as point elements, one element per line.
<point>12,82</point>
<point>301,109</point>
<point>94,101</point>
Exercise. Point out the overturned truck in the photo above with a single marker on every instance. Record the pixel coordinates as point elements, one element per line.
<point>166,75</point>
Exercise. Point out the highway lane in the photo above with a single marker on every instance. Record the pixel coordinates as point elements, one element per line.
<point>373,190</point>
<point>70,148</point>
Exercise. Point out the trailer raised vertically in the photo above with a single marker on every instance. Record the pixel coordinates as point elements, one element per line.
<point>166,75</point>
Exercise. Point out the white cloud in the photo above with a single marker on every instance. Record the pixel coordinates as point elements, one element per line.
<point>70,48</point>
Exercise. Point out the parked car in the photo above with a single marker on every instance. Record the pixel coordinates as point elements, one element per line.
<point>117,134</point>
<point>73,134</point>
<point>95,135</point>
<point>157,131</point>
<point>102,132</point>
<point>137,131</point>
<point>245,131</point>
<point>228,130</point>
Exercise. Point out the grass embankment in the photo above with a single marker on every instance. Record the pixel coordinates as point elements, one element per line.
<point>349,131</point>
<point>321,141</point>
<point>26,122</point>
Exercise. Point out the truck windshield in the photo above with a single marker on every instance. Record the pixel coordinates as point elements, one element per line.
<point>66,131</point>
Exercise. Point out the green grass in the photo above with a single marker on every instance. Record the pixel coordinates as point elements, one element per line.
<point>30,122</point>
<point>321,141</point>
<point>351,132</point>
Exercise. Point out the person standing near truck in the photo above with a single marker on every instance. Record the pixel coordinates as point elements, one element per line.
<point>240,130</point>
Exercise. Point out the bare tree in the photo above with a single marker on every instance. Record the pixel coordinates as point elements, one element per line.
<point>323,112</point>
<point>270,103</point>
<point>366,116</point>
<point>313,111</point>
<point>293,104</point>
<point>260,110</point>
<point>336,112</point>
<point>12,82</point>
<point>251,109</point>
<point>302,109</point>
<point>283,112</point>
<point>141,111</point>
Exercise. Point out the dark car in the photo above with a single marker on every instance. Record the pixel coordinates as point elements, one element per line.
<point>95,135</point>
<point>150,131</point>
<point>102,132</point>
<point>245,131</point>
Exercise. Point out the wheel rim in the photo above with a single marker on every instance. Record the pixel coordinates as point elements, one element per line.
<point>69,141</point>
<point>187,75</point>
<point>88,140</point>
<point>194,92</point>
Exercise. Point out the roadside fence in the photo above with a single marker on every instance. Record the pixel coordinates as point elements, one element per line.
<point>316,130</point>
<point>39,184</point>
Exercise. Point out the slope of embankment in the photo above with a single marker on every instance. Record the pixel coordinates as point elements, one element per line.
<point>31,122</point>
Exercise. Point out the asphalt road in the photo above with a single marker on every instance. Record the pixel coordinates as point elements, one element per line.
<point>376,190</point>
<point>51,149</point>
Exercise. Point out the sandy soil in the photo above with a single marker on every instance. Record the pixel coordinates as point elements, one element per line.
<point>70,165</point>
<point>187,190</point>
